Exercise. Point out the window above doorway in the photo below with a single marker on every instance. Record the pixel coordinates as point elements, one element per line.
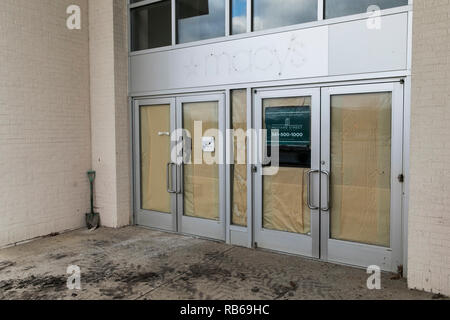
<point>168,23</point>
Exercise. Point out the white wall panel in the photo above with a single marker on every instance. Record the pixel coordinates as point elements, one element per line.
<point>281,56</point>
<point>357,48</point>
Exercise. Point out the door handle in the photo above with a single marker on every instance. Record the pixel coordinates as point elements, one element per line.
<point>327,174</point>
<point>310,205</point>
<point>169,178</point>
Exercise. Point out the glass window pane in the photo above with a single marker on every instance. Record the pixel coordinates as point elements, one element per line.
<point>361,168</point>
<point>238,16</point>
<point>239,169</point>
<point>155,154</point>
<point>200,20</point>
<point>339,8</point>
<point>151,26</point>
<point>285,206</point>
<point>278,13</point>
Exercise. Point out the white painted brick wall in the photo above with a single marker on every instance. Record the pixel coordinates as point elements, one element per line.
<point>45,144</point>
<point>101,42</point>
<point>123,113</point>
<point>109,110</point>
<point>429,214</point>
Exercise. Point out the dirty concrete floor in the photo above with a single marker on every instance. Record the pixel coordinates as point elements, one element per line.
<point>136,263</point>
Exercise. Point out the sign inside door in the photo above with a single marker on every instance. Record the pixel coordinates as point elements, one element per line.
<point>208,144</point>
<point>293,125</point>
<point>289,129</point>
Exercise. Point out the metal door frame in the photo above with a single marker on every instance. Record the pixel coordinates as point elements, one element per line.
<point>305,245</point>
<point>392,256</point>
<point>154,219</point>
<point>357,254</point>
<point>198,226</point>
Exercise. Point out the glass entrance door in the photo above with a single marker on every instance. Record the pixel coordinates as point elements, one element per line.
<point>287,188</point>
<point>333,190</point>
<point>201,201</point>
<point>155,173</point>
<point>179,164</point>
<point>362,143</point>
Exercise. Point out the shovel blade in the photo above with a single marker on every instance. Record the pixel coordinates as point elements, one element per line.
<point>92,220</point>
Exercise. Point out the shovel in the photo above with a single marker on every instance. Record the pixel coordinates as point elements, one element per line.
<point>92,218</point>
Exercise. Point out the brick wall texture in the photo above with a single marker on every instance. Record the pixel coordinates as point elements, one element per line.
<point>48,77</point>
<point>109,110</point>
<point>429,213</point>
<point>45,141</point>
<point>123,114</point>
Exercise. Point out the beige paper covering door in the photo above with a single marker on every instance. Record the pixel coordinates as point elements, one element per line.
<point>285,203</point>
<point>239,174</point>
<point>361,168</point>
<point>285,206</point>
<point>201,181</point>
<point>155,155</point>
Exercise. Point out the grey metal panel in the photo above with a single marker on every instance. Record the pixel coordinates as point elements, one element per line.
<point>203,228</point>
<point>387,76</point>
<point>239,238</point>
<point>250,211</point>
<point>361,255</point>
<point>355,48</point>
<point>286,55</point>
<point>229,156</point>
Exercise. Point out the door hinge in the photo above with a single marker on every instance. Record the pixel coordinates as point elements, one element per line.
<point>254,169</point>
<point>401,178</point>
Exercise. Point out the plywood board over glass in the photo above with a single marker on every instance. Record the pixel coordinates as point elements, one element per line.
<point>201,201</point>
<point>155,173</point>
<point>287,191</point>
<point>361,154</point>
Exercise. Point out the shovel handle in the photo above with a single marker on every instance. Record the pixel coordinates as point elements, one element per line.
<point>91,176</point>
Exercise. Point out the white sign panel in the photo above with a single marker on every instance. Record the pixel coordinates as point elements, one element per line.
<point>208,144</point>
<point>280,56</point>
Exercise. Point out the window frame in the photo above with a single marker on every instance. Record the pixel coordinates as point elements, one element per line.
<point>249,32</point>
<point>175,23</point>
<point>320,16</point>
<point>139,4</point>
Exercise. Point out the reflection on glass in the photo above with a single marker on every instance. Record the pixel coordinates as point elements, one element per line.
<point>278,13</point>
<point>285,206</point>
<point>200,19</point>
<point>361,168</point>
<point>151,26</point>
<point>201,181</point>
<point>339,8</point>
<point>238,16</point>
<point>155,154</point>
<point>239,169</point>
